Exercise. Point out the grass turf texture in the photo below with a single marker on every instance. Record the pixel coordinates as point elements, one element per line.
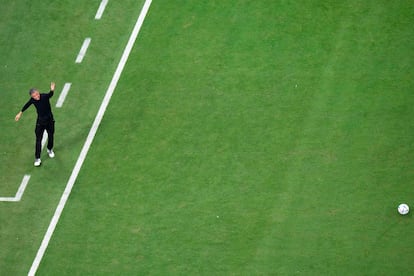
<point>243,138</point>
<point>38,47</point>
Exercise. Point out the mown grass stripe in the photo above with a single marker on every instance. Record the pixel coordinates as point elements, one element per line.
<point>89,139</point>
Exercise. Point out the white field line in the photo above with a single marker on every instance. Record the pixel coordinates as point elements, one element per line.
<point>19,192</point>
<point>101,9</point>
<point>63,94</point>
<point>89,139</point>
<point>83,50</point>
<point>44,139</point>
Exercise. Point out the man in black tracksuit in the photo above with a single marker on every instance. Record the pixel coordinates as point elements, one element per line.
<point>45,120</point>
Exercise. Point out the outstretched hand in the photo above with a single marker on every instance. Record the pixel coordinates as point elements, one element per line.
<point>52,86</point>
<point>18,116</point>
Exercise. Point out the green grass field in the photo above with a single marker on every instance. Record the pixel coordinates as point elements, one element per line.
<point>243,138</point>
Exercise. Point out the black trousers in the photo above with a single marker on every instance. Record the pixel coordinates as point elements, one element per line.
<point>49,126</point>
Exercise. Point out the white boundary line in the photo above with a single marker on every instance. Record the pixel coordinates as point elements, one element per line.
<point>101,9</point>
<point>63,94</point>
<point>83,49</point>
<point>19,192</point>
<point>89,139</point>
<point>44,139</point>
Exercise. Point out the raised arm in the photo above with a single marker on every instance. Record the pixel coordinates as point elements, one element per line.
<point>52,89</point>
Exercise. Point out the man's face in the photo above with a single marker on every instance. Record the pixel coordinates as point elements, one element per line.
<point>35,95</point>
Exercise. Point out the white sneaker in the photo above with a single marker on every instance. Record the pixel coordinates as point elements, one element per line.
<point>37,162</point>
<point>51,153</point>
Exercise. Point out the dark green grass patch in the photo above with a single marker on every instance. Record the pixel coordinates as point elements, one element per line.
<point>253,138</point>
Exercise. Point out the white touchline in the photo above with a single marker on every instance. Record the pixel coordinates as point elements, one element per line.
<point>83,50</point>
<point>89,139</point>
<point>101,9</point>
<point>63,94</point>
<point>19,192</point>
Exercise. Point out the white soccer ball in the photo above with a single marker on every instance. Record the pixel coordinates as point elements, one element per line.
<point>403,209</point>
